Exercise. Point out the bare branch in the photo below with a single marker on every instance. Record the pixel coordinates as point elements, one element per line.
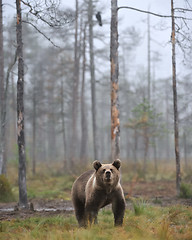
<point>152,13</point>
<point>183,10</point>
<point>51,15</point>
<point>24,21</point>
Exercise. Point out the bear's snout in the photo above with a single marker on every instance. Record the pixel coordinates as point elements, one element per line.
<point>108,175</point>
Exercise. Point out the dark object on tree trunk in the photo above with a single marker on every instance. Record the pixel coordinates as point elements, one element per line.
<point>98,16</point>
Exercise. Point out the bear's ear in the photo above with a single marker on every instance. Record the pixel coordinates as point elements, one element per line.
<point>117,164</point>
<point>96,164</point>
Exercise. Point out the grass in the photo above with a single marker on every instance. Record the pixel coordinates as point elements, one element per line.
<point>48,183</point>
<point>140,205</point>
<point>154,223</point>
<point>144,221</point>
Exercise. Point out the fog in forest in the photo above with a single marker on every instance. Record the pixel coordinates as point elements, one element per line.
<point>58,82</point>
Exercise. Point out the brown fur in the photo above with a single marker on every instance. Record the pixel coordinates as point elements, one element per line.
<point>96,189</point>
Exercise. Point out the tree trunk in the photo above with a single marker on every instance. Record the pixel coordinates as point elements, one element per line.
<point>83,106</point>
<point>167,122</point>
<point>2,137</point>
<point>149,61</point>
<point>63,128</point>
<point>34,128</point>
<point>185,149</point>
<point>176,124</point>
<point>146,148</point>
<point>1,58</point>
<point>135,146</point>
<point>92,71</point>
<point>75,91</point>
<point>115,123</point>
<point>20,112</point>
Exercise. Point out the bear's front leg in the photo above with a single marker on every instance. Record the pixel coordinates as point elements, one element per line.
<point>91,214</point>
<point>118,207</point>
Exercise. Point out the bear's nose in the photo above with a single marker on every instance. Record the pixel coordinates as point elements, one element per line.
<point>108,174</point>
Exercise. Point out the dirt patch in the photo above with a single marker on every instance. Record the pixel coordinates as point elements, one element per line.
<point>38,207</point>
<point>161,193</point>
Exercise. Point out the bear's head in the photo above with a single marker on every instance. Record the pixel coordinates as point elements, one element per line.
<point>107,174</point>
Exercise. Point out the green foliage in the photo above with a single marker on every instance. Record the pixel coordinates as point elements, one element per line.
<point>185,190</point>
<point>145,116</point>
<point>6,194</point>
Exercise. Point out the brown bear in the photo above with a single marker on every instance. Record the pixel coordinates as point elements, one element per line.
<point>96,189</point>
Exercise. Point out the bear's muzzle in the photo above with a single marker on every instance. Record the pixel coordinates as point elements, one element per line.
<point>108,175</point>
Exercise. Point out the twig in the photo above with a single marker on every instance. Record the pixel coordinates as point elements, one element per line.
<point>41,33</point>
<point>183,9</point>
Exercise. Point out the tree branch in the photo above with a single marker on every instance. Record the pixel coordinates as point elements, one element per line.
<point>183,9</point>
<point>41,33</point>
<point>151,13</point>
<point>56,17</point>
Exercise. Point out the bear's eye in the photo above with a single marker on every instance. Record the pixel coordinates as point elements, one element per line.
<point>104,170</point>
<point>111,170</point>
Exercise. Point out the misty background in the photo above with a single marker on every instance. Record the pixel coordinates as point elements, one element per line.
<point>49,69</point>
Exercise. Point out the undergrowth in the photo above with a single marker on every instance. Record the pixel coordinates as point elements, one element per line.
<point>185,190</point>
<point>6,194</point>
<point>155,223</point>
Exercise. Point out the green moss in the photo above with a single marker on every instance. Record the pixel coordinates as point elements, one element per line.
<point>5,190</point>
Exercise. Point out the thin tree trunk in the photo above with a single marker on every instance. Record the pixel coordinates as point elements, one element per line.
<point>75,90</point>
<point>20,112</point>
<point>83,106</point>
<point>149,60</point>
<point>115,123</point>
<point>2,137</point>
<point>176,122</point>
<point>63,128</point>
<point>135,146</point>
<point>185,149</point>
<point>1,58</point>
<point>34,128</point>
<point>92,71</point>
<point>146,148</point>
<point>167,122</point>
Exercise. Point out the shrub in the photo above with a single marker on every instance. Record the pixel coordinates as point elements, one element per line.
<point>185,190</point>
<point>5,190</point>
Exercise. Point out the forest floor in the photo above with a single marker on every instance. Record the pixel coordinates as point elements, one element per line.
<point>153,212</point>
<point>158,193</point>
